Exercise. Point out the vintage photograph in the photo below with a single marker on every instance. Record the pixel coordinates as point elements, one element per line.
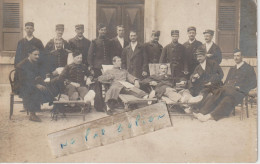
<point>128,81</point>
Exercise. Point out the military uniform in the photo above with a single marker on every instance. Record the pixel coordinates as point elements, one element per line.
<point>56,59</point>
<point>153,51</point>
<point>175,55</point>
<point>190,53</point>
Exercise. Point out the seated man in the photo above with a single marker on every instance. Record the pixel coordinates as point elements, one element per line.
<point>240,80</point>
<point>164,87</point>
<point>57,59</point>
<point>117,77</point>
<point>32,88</point>
<point>79,78</point>
<point>206,76</point>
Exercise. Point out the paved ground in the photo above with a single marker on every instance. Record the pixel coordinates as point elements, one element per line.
<point>228,140</point>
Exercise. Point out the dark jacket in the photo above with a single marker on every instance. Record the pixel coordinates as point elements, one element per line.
<point>51,45</point>
<point>164,81</point>
<point>75,73</point>
<point>82,45</point>
<point>135,62</point>
<point>99,53</point>
<point>117,49</point>
<point>190,50</point>
<point>153,51</point>
<point>23,48</point>
<point>244,77</point>
<point>175,55</point>
<point>215,50</point>
<point>212,73</point>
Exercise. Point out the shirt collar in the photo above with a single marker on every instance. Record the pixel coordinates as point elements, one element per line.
<point>191,41</point>
<point>29,38</point>
<point>240,64</point>
<point>120,38</point>
<point>203,65</point>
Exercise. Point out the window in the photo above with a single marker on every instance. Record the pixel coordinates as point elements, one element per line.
<point>11,24</point>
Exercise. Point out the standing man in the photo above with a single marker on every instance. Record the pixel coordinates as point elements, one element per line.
<point>213,51</point>
<point>80,43</point>
<point>100,51</point>
<point>190,49</point>
<point>134,59</point>
<point>26,43</point>
<point>59,32</point>
<point>174,53</point>
<point>153,49</point>
<point>118,43</point>
<point>240,80</point>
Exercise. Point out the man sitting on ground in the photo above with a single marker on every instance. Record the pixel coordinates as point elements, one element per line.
<point>240,80</point>
<point>164,84</point>
<point>118,77</point>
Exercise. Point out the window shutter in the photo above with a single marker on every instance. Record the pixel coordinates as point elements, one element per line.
<point>11,24</point>
<point>227,37</point>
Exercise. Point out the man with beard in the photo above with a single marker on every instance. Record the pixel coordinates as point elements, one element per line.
<point>190,49</point>
<point>174,53</point>
<point>80,43</point>
<point>118,43</point>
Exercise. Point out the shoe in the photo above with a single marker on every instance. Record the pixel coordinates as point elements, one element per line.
<point>196,99</point>
<point>109,112</point>
<point>35,118</point>
<point>204,118</point>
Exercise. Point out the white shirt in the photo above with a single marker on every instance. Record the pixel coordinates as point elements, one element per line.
<point>240,64</point>
<point>133,45</point>
<point>208,45</point>
<point>191,41</point>
<point>29,38</point>
<point>203,65</point>
<point>80,38</point>
<point>121,41</point>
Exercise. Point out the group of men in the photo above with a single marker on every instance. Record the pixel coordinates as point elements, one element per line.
<point>75,68</point>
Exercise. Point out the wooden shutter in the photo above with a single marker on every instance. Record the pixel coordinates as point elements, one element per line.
<point>11,24</point>
<point>227,26</point>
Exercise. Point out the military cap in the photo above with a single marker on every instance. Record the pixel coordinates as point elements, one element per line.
<point>100,25</point>
<point>29,24</point>
<point>122,26</point>
<point>59,26</point>
<point>76,53</point>
<point>236,50</point>
<point>201,51</point>
<point>156,32</point>
<point>175,32</point>
<point>32,49</point>
<point>79,26</point>
<point>191,28</point>
<point>211,32</point>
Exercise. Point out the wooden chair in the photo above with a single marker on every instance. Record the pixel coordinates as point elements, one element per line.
<point>13,94</point>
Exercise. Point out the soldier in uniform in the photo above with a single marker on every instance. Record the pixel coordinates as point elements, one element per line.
<point>59,32</point>
<point>100,51</point>
<point>80,43</point>
<point>75,74</point>
<point>174,53</point>
<point>26,43</point>
<point>118,43</point>
<point>57,59</point>
<point>153,49</point>
<point>213,50</point>
<point>134,59</point>
<point>190,49</point>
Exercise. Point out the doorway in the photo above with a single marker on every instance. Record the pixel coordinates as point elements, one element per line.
<point>129,13</point>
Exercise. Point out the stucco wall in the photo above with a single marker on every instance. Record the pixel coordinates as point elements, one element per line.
<point>180,14</point>
<point>46,14</point>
